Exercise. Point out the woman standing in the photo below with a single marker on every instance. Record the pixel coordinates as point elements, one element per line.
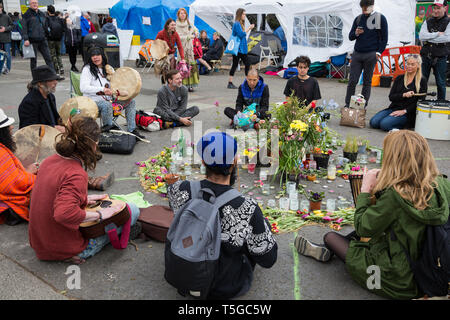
<point>240,32</point>
<point>187,35</point>
<point>409,195</point>
<point>72,39</point>
<point>402,111</point>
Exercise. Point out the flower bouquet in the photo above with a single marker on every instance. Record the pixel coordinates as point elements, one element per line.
<point>153,170</point>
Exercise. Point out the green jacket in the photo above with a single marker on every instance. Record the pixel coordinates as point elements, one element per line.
<point>376,222</point>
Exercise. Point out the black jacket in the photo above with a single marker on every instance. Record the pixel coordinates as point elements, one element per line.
<point>72,37</point>
<point>214,52</point>
<point>33,26</point>
<point>409,104</point>
<point>34,109</point>
<point>5,21</point>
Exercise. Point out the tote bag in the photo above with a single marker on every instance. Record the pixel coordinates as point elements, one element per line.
<point>233,45</point>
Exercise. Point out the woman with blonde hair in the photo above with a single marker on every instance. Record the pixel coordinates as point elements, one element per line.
<point>401,199</point>
<point>187,35</point>
<point>401,114</point>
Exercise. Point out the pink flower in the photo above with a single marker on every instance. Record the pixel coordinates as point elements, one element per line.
<point>326,218</point>
<point>153,160</point>
<point>216,103</point>
<point>138,163</point>
<point>305,216</point>
<point>339,220</point>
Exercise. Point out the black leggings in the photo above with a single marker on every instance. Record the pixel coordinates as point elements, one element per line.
<point>236,59</point>
<point>338,243</point>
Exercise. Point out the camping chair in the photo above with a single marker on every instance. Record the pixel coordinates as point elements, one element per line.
<point>266,52</point>
<point>216,64</point>
<point>145,51</point>
<point>338,67</point>
<point>75,84</point>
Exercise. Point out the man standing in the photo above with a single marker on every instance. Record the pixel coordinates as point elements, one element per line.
<point>6,25</point>
<point>435,34</point>
<point>370,30</point>
<point>33,34</point>
<point>419,21</point>
<point>171,104</point>
<point>54,30</point>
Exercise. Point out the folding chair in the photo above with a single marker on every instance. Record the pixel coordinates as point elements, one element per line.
<point>75,84</point>
<point>266,52</point>
<point>149,61</point>
<point>338,67</point>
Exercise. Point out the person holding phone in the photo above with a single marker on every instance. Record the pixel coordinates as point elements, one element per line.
<point>402,198</point>
<point>370,32</point>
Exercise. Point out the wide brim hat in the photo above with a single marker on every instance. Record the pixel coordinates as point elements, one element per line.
<point>44,73</point>
<point>5,121</point>
<point>217,149</point>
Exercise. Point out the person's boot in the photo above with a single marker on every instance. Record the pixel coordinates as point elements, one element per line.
<point>231,86</point>
<point>101,183</point>
<point>313,250</point>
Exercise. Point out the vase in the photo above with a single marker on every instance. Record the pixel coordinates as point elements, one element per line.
<point>362,149</point>
<point>321,160</point>
<point>314,205</point>
<point>351,156</point>
<point>171,178</point>
<point>292,177</point>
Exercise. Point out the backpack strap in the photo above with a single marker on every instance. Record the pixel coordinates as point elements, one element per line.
<point>226,197</point>
<point>195,189</point>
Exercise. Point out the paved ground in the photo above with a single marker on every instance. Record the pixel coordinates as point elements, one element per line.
<point>138,274</point>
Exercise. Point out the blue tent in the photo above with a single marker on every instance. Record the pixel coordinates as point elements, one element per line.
<point>129,16</point>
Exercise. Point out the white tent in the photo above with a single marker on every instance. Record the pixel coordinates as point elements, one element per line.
<point>93,6</point>
<point>316,28</point>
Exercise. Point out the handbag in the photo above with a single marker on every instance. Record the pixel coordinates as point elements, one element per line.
<point>28,52</point>
<point>16,36</point>
<point>233,45</point>
<point>351,117</point>
<point>114,142</point>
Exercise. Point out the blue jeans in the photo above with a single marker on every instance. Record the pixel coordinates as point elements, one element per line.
<point>382,120</point>
<point>106,112</point>
<point>97,244</point>
<point>439,70</point>
<point>7,47</point>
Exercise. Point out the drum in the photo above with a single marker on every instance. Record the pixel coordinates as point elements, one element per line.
<point>433,120</point>
<point>35,143</point>
<point>127,82</point>
<point>81,106</point>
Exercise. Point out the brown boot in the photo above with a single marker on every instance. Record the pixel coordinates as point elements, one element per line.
<point>101,183</point>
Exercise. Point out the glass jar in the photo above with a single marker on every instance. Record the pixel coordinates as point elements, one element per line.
<point>284,204</point>
<point>331,205</point>
<point>293,204</point>
<point>271,203</point>
<point>265,189</point>
<point>304,206</point>
<point>263,175</point>
<point>290,187</point>
<point>331,172</point>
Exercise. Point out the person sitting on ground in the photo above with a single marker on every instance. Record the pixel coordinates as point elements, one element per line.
<point>214,52</point>
<point>410,194</point>
<point>16,182</point>
<point>93,81</point>
<point>252,90</point>
<point>59,198</point>
<point>402,111</point>
<point>246,236</point>
<point>39,105</point>
<point>305,88</point>
<point>171,104</point>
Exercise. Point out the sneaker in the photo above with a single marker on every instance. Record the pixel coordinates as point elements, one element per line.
<point>231,85</point>
<point>101,183</point>
<point>107,127</point>
<point>61,73</point>
<point>313,250</point>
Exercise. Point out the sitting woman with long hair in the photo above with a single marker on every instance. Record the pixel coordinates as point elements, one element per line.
<point>402,198</point>
<point>59,198</point>
<point>401,114</point>
<point>16,182</point>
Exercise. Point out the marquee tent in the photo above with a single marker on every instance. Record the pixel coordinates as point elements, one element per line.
<point>147,17</point>
<point>93,6</point>
<point>316,28</point>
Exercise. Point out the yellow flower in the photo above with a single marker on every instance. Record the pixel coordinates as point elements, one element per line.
<point>318,213</point>
<point>299,125</point>
<point>160,184</point>
<point>163,153</point>
<point>154,187</point>
<point>339,171</point>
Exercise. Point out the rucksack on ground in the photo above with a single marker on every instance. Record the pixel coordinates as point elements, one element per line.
<point>432,269</point>
<point>148,121</point>
<point>193,242</point>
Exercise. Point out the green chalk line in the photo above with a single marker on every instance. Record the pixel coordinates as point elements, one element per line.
<point>124,179</point>
<point>296,275</point>
<point>441,159</point>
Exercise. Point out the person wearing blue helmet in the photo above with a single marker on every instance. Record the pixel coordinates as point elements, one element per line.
<point>246,236</point>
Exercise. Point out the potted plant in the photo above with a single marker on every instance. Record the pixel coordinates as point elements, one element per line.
<point>311,174</point>
<point>315,199</point>
<point>351,148</point>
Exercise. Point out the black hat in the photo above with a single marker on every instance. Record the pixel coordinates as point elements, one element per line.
<point>44,73</point>
<point>94,51</point>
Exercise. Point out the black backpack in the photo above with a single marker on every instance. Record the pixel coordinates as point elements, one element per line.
<point>55,28</point>
<point>432,269</point>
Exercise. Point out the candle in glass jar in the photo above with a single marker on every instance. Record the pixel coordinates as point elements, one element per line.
<point>331,172</point>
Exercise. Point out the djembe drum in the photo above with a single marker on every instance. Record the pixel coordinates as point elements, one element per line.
<point>78,107</point>
<point>126,83</point>
<point>355,184</point>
